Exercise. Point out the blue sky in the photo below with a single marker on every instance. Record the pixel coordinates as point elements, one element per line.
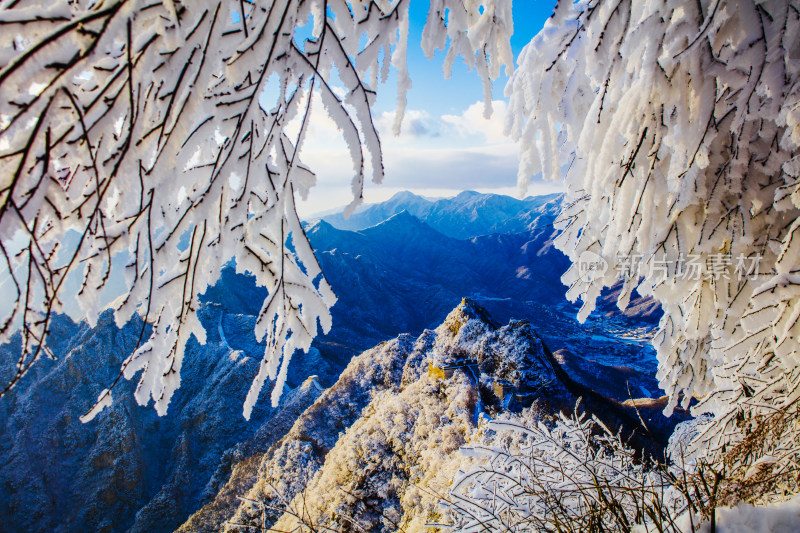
<point>430,90</point>
<point>445,146</point>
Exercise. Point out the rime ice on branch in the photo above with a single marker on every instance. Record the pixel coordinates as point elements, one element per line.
<point>677,125</point>
<point>140,128</point>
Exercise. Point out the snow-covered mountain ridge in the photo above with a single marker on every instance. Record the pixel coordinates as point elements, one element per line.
<point>466,215</point>
<point>383,463</point>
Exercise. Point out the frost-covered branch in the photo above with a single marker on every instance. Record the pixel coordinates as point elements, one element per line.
<point>137,135</point>
<point>677,125</point>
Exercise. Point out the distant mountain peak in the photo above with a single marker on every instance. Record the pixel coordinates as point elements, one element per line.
<point>402,220</point>
<point>405,195</point>
<point>319,224</point>
<point>405,217</point>
<point>470,214</point>
<point>312,382</point>
<point>470,194</point>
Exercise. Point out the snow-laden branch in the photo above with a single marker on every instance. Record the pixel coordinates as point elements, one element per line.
<point>677,125</point>
<point>137,132</point>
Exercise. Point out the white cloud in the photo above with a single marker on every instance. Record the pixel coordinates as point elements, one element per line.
<point>472,122</point>
<point>468,127</point>
<point>419,127</point>
<point>464,168</point>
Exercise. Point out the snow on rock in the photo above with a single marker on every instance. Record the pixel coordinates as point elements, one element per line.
<point>679,450</point>
<point>238,469</point>
<point>386,469</point>
<point>289,464</point>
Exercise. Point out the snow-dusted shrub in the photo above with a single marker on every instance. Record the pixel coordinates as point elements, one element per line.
<point>162,139</point>
<point>677,126</point>
<point>759,469</point>
<point>571,475</point>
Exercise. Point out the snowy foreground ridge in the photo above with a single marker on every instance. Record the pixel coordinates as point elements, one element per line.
<point>384,448</point>
<point>381,447</point>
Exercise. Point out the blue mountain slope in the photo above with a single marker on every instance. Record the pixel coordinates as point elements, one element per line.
<point>402,275</point>
<point>128,470</point>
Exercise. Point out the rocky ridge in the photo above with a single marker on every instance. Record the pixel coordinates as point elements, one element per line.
<point>377,450</point>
